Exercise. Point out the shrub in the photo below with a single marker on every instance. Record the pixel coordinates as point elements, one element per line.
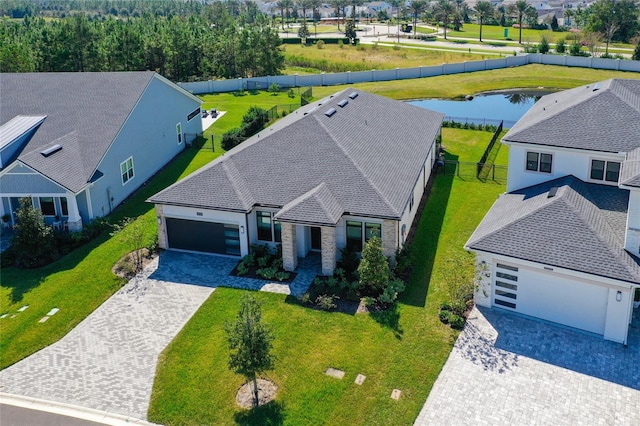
<point>390,294</point>
<point>636,52</point>
<point>340,44</point>
<point>33,241</point>
<point>349,262</point>
<point>560,46</point>
<point>267,273</point>
<point>282,276</point>
<point>263,261</point>
<point>444,316</point>
<point>242,269</point>
<point>273,88</point>
<point>254,120</point>
<point>320,44</point>
<point>306,299</point>
<point>326,302</point>
<point>445,306</point>
<point>543,47</point>
<point>232,138</point>
<point>291,93</point>
<point>249,260</point>
<point>260,250</point>
<point>456,321</point>
<point>373,269</point>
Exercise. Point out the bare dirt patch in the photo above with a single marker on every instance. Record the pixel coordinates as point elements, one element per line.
<point>266,393</point>
<point>126,266</point>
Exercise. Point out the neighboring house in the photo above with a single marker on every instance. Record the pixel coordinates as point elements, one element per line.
<point>563,243</point>
<point>330,175</point>
<point>78,144</point>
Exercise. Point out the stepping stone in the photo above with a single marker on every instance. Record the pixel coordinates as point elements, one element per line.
<point>53,311</point>
<point>395,394</point>
<point>24,308</point>
<point>276,288</point>
<point>13,316</point>
<point>338,374</point>
<point>360,379</point>
<point>43,319</point>
<point>4,315</point>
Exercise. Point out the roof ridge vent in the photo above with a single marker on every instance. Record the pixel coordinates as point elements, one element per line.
<point>353,95</point>
<point>343,103</point>
<point>596,87</point>
<point>552,192</point>
<point>51,150</point>
<point>330,112</point>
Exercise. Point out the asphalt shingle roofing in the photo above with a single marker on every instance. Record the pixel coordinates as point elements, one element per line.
<point>84,112</point>
<point>604,116</point>
<point>367,156</point>
<point>581,228</point>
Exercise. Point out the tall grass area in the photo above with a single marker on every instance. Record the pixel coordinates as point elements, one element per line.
<point>404,348</point>
<point>334,58</point>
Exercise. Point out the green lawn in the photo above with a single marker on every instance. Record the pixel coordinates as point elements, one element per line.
<point>459,85</point>
<point>404,349</point>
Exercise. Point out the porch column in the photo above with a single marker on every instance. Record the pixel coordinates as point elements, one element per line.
<point>289,247</point>
<point>74,221</point>
<point>328,249</point>
<point>389,237</point>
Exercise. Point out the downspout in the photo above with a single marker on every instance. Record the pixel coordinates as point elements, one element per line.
<point>246,230</point>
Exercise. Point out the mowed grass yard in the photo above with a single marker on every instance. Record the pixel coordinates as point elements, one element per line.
<point>403,348</point>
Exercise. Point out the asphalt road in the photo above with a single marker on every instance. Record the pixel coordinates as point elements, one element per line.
<point>19,416</point>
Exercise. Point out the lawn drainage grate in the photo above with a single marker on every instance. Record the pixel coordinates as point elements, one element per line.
<point>395,394</point>
<point>360,379</point>
<point>338,374</point>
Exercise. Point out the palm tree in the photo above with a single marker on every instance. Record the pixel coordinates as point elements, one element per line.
<point>417,7</point>
<point>353,4</point>
<point>484,9</point>
<point>284,6</point>
<point>521,8</point>
<point>443,10</point>
<point>339,5</point>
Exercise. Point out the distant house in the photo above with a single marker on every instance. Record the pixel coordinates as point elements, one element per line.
<point>563,244</point>
<point>333,174</point>
<point>78,144</point>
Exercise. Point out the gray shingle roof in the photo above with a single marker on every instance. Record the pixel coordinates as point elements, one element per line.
<point>630,172</point>
<point>369,155</point>
<point>317,206</point>
<point>84,113</point>
<point>604,116</point>
<point>581,228</point>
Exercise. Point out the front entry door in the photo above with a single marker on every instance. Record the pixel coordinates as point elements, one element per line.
<point>316,238</point>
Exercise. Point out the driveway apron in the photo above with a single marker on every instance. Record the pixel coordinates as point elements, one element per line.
<point>108,361</point>
<point>510,370</point>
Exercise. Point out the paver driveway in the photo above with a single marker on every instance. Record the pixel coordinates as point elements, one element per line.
<point>509,370</point>
<point>108,361</point>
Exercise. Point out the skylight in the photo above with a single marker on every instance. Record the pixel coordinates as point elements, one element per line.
<point>51,150</point>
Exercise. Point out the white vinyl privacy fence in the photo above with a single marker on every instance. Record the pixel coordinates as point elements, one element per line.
<point>331,79</point>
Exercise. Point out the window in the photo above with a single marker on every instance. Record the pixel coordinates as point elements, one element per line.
<point>537,162</point>
<point>179,132</point>
<point>193,114</point>
<point>64,206</point>
<point>356,230</point>
<point>605,170</point>
<point>126,170</point>
<point>411,203</point>
<point>507,267</point>
<point>47,206</point>
<point>506,276</point>
<point>268,229</point>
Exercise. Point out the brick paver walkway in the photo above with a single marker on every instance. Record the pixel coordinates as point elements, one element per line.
<point>510,370</point>
<point>108,361</point>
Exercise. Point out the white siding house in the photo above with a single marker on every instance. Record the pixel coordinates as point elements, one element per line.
<point>563,244</point>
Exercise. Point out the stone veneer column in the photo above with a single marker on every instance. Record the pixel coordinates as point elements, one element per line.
<point>389,237</point>
<point>289,252</point>
<point>482,292</point>
<point>328,249</point>
<point>162,235</point>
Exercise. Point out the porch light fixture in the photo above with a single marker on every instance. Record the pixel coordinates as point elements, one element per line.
<point>159,220</point>
<point>619,296</point>
<point>241,229</point>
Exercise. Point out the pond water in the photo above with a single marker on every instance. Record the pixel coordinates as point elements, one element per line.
<point>485,108</point>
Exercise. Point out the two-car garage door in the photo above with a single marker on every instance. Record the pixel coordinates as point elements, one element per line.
<point>210,237</point>
<point>550,297</point>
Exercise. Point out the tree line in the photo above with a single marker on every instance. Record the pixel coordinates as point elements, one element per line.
<point>209,41</point>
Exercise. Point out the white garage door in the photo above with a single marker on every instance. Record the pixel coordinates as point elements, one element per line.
<point>553,298</point>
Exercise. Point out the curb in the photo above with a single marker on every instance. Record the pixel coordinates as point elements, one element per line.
<point>70,410</point>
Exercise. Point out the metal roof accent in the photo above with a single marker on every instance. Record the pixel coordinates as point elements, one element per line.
<point>51,150</point>
<point>18,126</point>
